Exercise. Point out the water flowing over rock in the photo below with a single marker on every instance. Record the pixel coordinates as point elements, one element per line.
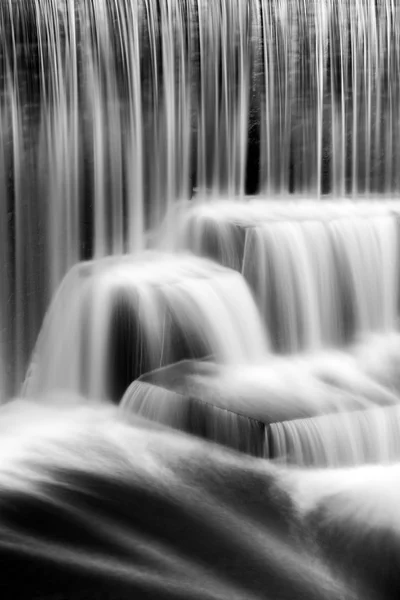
<point>322,410</point>
<point>93,507</point>
<point>321,273</point>
<point>115,319</point>
<point>112,111</point>
<point>199,223</point>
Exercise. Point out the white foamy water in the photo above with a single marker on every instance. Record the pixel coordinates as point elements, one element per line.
<point>118,318</point>
<point>349,439</point>
<point>97,506</point>
<point>331,408</point>
<point>113,111</point>
<point>321,273</point>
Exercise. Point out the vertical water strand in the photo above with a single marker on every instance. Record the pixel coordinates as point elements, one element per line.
<point>395,95</point>
<point>167,14</point>
<point>335,40</point>
<point>301,129</point>
<point>310,80</point>
<point>54,133</point>
<point>241,117</point>
<point>41,34</point>
<point>220,99</point>
<point>396,12</point>
<point>5,259</point>
<point>256,77</point>
<point>332,91</point>
<point>307,81</point>
<point>129,18</point>
<point>375,132</point>
<point>12,94</point>
<point>379,166</point>
<point>285,80</point>
<point>47,197</point>
<point>101,304</point>
<point>387,233</point>
<point>370,50</point>
<point>32,235</point>
<point>60,127</point>
<point>320,19</point>
<point>382,97</point>
<point>277,116</point>
<point>280,77</point>
<point>114,150</point>
<point>316,238</point>
<point>201,174</point>
<point>5,284</point>
<point>305,280</point>
<point>102,111</point>
<point>354,85</point>
<point>343,49</point>
<point>373,270</point>
<point>230,50</point>
<point>108,71</point>
<point>52,141</point>
<point>363,93</point>
<point>228,88</point>
<point>184,53</point>
<point>276,110</point>
<point>388,116</point>
<point>74,145</point>
<point>176,101</point>
<point>65,141</point>
<point>364,126</point>
<point>214,101</point>
<point>151,118</point>
<point>95,101</point>
<point>226,93</point>
<point>95,126</point>
<point>267,101</point>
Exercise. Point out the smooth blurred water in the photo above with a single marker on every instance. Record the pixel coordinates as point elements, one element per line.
<point>111,111</point>
<point>97,507</point>
<point>114,114</point>
<point>114,319</point>
<point>321,273</point>
<point>236,120</point>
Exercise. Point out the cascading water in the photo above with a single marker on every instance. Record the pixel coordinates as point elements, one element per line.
<point>282,409</point>
<point>258,134</point>
<point>127,316</point>
<point>348,439</point>
<point>111,111</point>
<point>321,274</point>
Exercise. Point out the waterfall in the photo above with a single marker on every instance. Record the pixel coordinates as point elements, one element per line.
<point>370,436</point>
<point>113,320</point>
<point>321,273</point>
<point>282,408</point>
<point>111,112</point>
<point>199,299</point>
<point>262,133</point>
